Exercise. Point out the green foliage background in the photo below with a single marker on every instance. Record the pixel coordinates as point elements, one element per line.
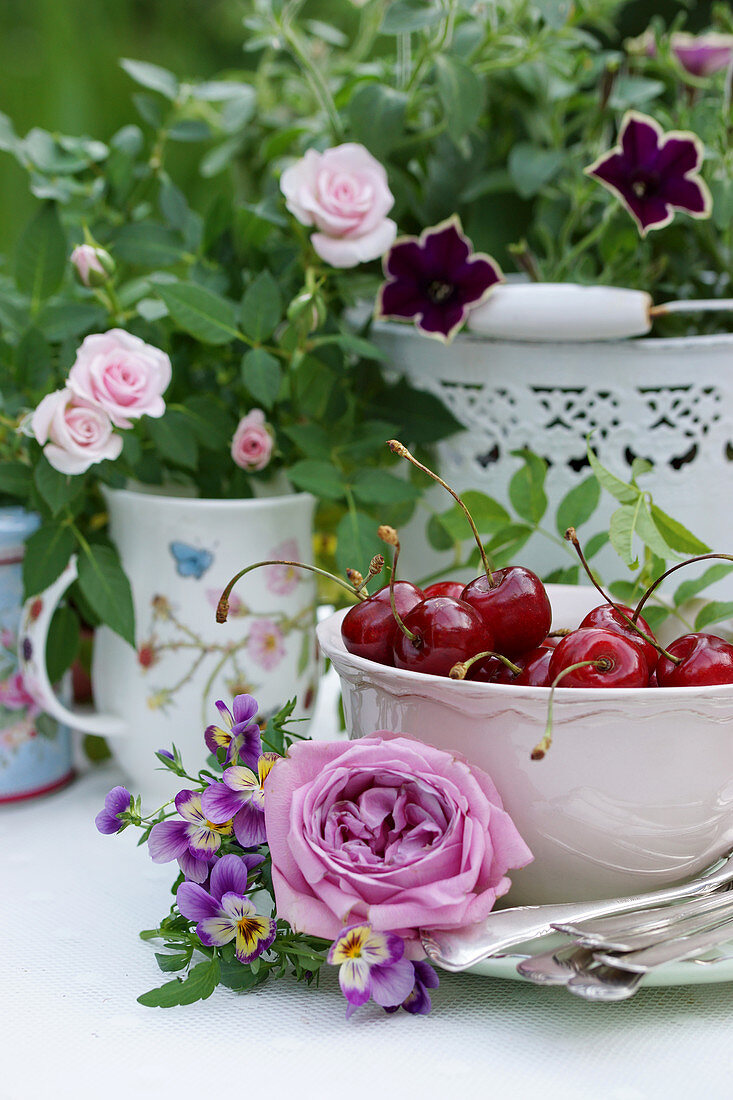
<point>59,63</point>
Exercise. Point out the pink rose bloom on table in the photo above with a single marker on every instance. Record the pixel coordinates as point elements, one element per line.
<point>252,443</point>
<point>122,374</point>
<point>389,831</point>
<point>74,433</point>
<point>344,194</point>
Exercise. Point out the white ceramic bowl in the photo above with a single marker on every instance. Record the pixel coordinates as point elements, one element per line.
<point>635,793</point>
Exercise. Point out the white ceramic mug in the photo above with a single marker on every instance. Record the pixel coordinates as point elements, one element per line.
<point>179,553</point>
<point>636,791</point>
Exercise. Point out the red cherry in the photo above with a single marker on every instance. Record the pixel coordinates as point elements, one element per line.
<point>533,666</point>
<point>552,641</point>
<point>490,670</point>
<point>368,627</point>
<point>706,660</point>
<point>446,631</point>
<point>514,607</point>
<point>445,588</point>
<point>626,664</point>
<point>606,617</point>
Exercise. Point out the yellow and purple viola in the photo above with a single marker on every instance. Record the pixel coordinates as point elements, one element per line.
<point>238,733</point>
<point>240,799</point>
<point>435,280</point>
<point>193,841</point>
<point>654,173</point>
<point>116,804</point>
<point>371,966</point>
<point>224,913</point>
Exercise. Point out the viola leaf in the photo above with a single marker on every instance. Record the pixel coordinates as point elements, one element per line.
<point>198,985</point>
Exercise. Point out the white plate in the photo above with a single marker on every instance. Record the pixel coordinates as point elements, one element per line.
<point>714,968</point>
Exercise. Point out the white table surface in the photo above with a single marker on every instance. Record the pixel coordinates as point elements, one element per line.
<point>71,907</point>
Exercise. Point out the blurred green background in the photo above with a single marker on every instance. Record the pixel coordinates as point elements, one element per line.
<point>58,63</point>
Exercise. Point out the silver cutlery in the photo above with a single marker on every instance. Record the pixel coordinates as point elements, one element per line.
<point>672,950</point>
<point>458,949</point>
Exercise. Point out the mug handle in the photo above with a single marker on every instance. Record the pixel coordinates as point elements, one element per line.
<point>35,622</point>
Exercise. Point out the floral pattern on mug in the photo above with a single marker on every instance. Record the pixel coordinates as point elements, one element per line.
<point>265,645</point>
<point>283,579</point>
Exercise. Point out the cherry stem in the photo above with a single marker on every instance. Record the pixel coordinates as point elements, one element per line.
<point>673,569</point>
<point>602,664</point>
<point>459,670</point>
<point>222,609</point>
<point>400,449</point>
<point>392,540</point>
<point>571,536</point>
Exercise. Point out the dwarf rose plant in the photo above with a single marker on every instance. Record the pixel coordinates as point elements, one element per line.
<point>322,853</point>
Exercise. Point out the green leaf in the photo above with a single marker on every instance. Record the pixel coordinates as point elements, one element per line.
<point>621,532</point>
<point>526,488</point>
<point>596,543</point>
<point>375,486</point>
<point>198,985</point>
<point>63,642</point>
<point>675,535</point>
<point>438,536</point>
<point>47,554</point>
<point>262,375</point>
<point>42,256</point>
<point>34,361</point>
<point>152,76</point>
<point>649,533</point>
<point>169,963</point>
<point>211,422</point>
<point>57,489</point>
<point>488,515</point>
<point>103,583</point>
<point>688,589</point>
<point>406,16</point>
<point>261,308</point>
<point>531,168</point>
<point>174,439</point>
<point>423,417</point>
<point>15,479</point>
<point>632,91</point>
<point>62,320</point>
<point>147,244</point>
<point>655,616</point>
<point>570,575</point>
<point>323,479</point>
<point>377,116</point>
<point>311,439</point>
<point>190,129</point>
<point>577,506</point>
<point>201,313</point>
<point>461,94</point>
<point>713,612</point>
<point>357,542</point>
<point>624,494</point>
<point>506,543</point>
<point>554,12</point>
<point>353,345</point>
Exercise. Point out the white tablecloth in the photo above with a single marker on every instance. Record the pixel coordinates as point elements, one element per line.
<point>72,905</point>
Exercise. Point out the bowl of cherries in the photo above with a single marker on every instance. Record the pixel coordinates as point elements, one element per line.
<point>613,754</point>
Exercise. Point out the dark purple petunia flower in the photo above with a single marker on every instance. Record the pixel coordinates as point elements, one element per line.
<point>653,173</point>
<point>418,1002</point>
<point>117,802</point>
<point>239,734</point>
<point>435,280</point>
<point>702,55</point>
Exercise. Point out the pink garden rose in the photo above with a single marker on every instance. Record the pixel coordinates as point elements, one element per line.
<point>344,193</point>
<point>93,265</point>
<point>389,831</point>
<point>252,442</point>
<point>122,374</point>
<point>74,433</point>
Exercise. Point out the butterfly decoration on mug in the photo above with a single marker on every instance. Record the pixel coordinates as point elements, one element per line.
<point>191,561</point>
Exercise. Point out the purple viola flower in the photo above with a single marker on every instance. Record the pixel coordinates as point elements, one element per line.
<point>239,734</point>
<point>194,841</point>
<point>418,1002</point>
<point>435,280</point>
<point>702,55</point>
<point>224,913</point>
<point>653,173</point>
<point>371,964</point>
<point>116,802</point>
<point>240,798</point>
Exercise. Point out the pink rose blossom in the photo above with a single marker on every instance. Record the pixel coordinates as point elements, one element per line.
<point>252,442</point>
<point>265,645</point>
<point>389,831</point>
<point>283,579</point>
<point>344,193</point>
<point>122,374</point>
<point>74,434</point>
<point>93,265</point>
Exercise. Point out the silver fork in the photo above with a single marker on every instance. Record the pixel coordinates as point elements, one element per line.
<point>458,949</point>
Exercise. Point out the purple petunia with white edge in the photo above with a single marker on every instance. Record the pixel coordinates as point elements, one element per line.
<point>371,965</point>
<point>224,913</point>
<point>654,173</point>
<point>435,280</point>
